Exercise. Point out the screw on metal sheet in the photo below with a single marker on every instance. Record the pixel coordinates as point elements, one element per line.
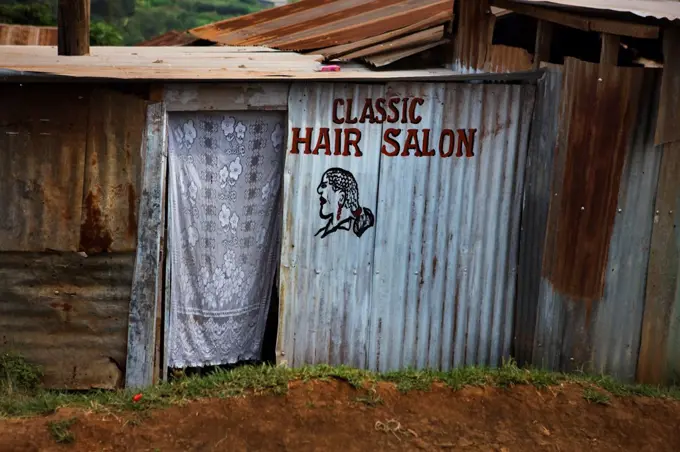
<point>670,211</point>
<point>599,79</point>
<point>583,208</point>
<point>283,353</point>
<point>377,272</point>
<point>354,271</point>
<point>620,210</point>
<point>657,212</point>
<point>317,271</point>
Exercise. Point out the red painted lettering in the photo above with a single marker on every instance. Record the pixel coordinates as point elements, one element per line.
<point>323,142</point>
<point>427,152</point>
<point>415,119</point>
<point>367,112</point>
<point>380,107</point>
<point>394,111</point>
<point>404,116</point>
<point>352,138</point>
<point>337,118</point>
<point>348,114</point>
<point>389,138</point>
<point>338,141</point>
<point>467,140</point>
<point>411,143</point>
<point>306,140</point>
<point>452,139</point>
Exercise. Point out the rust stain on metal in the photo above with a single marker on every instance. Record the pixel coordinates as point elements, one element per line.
<point>94,237</point>
<point>473,36</point>
<point>599,109</point>
<point>132,211</point>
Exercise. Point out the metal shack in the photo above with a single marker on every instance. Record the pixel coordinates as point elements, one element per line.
<point>156,197</point>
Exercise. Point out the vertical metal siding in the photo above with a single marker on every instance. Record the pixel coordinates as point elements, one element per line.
<point>603,335</point>
<point>536,202</point>
<point>446,245</point>
<point>325,294</point>
<point>435,286</point>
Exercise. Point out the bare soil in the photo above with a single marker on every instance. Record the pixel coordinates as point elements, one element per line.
<point>332,416</point>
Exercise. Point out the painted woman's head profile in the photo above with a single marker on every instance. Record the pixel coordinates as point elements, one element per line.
<point>339,204</point>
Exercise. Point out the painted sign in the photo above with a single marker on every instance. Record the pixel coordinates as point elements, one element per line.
<point>401,221</point>
<point>345,140</point>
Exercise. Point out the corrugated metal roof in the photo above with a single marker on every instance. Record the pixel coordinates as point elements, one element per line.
<point>220,63</point>
<point>171,38</point>
<point>658,9</point>
<point>26,35</point>
<point>335,28</point>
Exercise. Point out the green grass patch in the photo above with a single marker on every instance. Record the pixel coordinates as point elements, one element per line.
<point>592,395</point>
<point>21,397</point>
<point>61,430</point>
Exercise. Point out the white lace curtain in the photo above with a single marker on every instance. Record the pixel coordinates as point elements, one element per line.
<point>224,193</point>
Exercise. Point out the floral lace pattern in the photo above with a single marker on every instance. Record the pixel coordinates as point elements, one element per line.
<point>224,189</point>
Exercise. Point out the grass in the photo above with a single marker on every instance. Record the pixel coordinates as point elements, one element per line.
<point>61,430</point>
<point>19,395</point>
<point>592,395</point>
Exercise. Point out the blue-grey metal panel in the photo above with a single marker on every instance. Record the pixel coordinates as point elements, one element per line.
<point>325,282</point>
<point>447,239</point>
<point>432,284</point>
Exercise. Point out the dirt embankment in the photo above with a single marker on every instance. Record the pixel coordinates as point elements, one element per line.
<point>332,416</point>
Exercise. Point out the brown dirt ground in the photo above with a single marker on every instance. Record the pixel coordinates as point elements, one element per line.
<point>326,416</point>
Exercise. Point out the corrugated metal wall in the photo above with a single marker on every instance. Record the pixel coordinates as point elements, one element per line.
<point>69,182</point>
<point>432,283</point>
<point>583,273</point>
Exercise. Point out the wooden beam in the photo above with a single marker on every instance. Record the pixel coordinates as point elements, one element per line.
<point>73,20</point>
<point>544,34</point>
<point>609,53</point>
<point>581,22</point>
<point>146,280</point>
<point>668,116</point>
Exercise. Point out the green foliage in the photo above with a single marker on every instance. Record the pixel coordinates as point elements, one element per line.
<point>592,395</point>
<point>39,13</point>
<point>104,34</point>
<point>61,430</point>
<point>18,375</point>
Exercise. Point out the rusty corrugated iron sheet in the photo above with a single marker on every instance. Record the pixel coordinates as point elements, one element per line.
<point>590,305</point>
<point>69,183</point>
<point>432,283</point>
<point>171,38</point>
<point>502,59</point>
<point>338,28</point>
<point>474,35</point>
<point>27,35</point>
<point>599,110</point>
<point>68,314</point>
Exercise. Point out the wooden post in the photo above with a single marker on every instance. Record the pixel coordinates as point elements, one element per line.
<point>543,42</point>
<point>610,49</point>
<point>73,19</point>
<point>147,276</point>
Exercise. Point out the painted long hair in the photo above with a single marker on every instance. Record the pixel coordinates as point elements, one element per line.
<point>343,181</point>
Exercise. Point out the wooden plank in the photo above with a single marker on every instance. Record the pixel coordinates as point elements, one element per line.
<point>146,278</point>
<point>73,18</point>
<point>662,275</point>
<point>543,41</point>
<point>582,22</point>
<point>668,118</point>
<point>199,97</point>
<point>609,54</point>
